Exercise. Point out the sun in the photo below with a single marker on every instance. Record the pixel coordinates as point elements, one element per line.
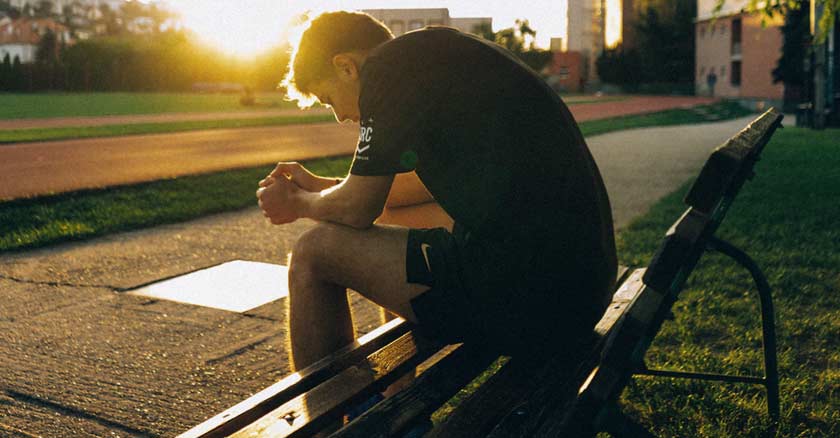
<point>242,29</point>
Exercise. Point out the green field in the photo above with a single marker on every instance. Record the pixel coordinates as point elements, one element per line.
<point>702,113</point>
<point>46,134</point>
<point>46,220</point>
<point>786,218</point>
<point>25,106</point>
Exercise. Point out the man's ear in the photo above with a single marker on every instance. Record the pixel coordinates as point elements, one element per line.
<point>346,67</point>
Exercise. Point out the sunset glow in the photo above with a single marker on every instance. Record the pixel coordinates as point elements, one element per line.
<point>245,28</point>
<point>612,24</point>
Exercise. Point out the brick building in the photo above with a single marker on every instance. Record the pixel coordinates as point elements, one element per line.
<point>735,54</point>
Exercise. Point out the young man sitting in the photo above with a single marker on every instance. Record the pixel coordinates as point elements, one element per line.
<point>448,117</point>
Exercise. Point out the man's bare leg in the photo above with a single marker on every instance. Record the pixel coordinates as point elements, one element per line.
<point>326,261</point>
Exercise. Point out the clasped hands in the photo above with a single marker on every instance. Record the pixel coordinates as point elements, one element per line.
<point>279,195</point>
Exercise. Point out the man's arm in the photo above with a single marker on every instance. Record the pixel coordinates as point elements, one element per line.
<point>356,202</point>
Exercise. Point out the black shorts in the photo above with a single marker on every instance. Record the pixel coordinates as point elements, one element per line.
<point>480,294</point>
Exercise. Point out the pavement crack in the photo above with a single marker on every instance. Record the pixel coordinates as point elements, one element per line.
<point>56,283</point>
<point>75,412</point>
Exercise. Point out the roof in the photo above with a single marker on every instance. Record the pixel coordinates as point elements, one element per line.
<point>28,30</point>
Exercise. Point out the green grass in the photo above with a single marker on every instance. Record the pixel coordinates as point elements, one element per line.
<point>29,223</point>
<point>722,110</point>
<point>704,113</point>
<point>18,106</point>
<point>79,215</point>
<point>46,134</point>
<point>787,220</point>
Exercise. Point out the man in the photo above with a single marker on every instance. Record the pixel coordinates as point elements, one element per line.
<point>531,261</point>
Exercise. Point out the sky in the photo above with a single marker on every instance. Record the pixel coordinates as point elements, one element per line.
<point>247,27</point>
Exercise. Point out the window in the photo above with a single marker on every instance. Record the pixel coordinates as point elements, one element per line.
<point>702,30</point>
<point>723,70</point>
<point>735,77</point>
<point>436,22</point>
<point>415,24</point>
<point>702,70</point>
<point>723,28</point>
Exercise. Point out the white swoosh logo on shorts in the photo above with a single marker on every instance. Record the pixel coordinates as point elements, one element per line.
<point>424,248</point>
<point>360,150</point>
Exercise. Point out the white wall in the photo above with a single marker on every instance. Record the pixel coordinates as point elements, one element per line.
<point>26,52</point>
<point>705,8</point>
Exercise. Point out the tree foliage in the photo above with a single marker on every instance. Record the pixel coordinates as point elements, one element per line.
<point>519,39</point>
<point>773,7</point>
<point>662,52</point>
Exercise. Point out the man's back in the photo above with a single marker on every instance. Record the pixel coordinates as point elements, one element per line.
<point>495,146</point>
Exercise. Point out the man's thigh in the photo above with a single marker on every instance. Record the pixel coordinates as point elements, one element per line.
<point>371,262</point>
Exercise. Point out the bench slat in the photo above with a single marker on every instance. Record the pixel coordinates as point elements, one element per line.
<point>430,390</point>
<point>263,402</point>
<point>537,415</point>
<point>307,413</point>
<point>477,415</point>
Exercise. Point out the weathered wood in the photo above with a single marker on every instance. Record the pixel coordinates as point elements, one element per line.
<point>556,391</point>
<point>430,390</point>
<point>261,403</point>
<point>478,414</point>
<point>309,412</point>
<point>725,169</point>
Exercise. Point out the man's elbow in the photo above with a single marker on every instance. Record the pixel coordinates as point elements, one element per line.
<point>362,220</point>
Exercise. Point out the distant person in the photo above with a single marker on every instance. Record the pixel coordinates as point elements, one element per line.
<point>711,80</point>
<point>448,117</point>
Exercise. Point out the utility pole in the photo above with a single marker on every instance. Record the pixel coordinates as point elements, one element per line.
<point>819,68</point>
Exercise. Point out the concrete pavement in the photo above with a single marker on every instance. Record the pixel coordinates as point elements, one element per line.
<point>81,358</point>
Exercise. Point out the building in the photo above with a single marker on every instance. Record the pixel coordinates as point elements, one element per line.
<point>595,25</point>
<point>401,21</point>
<point>20,38</point>
<point>735,53</point>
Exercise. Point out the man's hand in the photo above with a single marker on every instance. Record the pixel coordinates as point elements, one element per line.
<point>278,200</point>
<point>299,175</point>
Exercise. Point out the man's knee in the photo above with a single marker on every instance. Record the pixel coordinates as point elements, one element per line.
<point>314,246</point>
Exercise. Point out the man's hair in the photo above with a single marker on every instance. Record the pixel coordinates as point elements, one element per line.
<point>323,37</point>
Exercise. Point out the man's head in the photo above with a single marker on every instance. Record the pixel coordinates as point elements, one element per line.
<point>326,61</point>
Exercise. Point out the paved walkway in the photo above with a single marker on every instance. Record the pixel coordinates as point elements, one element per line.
<point>80,358</point>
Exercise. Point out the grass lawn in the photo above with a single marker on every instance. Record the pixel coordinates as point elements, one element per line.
<point>703,113</point>
<point>25,106</point>
<point>45,134</point>
<point>29,223</point>
<point>786,219</point>
<point>84,214</point>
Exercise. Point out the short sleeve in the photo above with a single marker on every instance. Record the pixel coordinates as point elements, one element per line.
<point>392,126</point>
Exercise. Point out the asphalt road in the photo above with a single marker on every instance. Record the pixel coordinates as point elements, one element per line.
<point>30,169</point>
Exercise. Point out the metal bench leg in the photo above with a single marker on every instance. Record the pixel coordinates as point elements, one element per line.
<point>771,378</point>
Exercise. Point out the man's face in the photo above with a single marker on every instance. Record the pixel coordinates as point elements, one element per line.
<point>341,96</point>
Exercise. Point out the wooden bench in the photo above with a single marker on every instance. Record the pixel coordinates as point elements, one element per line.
<point>525,397</point>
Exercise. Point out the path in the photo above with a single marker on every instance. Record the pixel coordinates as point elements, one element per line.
<point>31,169</point>
<point>80,358</point>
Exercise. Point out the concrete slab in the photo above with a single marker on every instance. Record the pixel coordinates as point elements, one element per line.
<point>237,286</point>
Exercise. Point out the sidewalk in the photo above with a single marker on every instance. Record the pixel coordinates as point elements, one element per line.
<point>81,358</point>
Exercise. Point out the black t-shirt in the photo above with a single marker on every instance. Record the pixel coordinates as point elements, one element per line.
<point>494,145</point>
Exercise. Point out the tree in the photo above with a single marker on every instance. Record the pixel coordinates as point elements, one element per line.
<point>18,79</point>
<point>772,7</point>
<point>6,78</point>
<point>44,9</point>
<point>520,40</point>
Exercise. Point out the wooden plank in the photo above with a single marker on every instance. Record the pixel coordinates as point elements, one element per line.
<point>517,378</point>
<point>557,391</point>
<point>731,162</point>
<point>309,412</point>
<point>261,403</point>
<point>429,391</point>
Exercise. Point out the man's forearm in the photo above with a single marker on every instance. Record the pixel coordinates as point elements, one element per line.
<point>345,204</point>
